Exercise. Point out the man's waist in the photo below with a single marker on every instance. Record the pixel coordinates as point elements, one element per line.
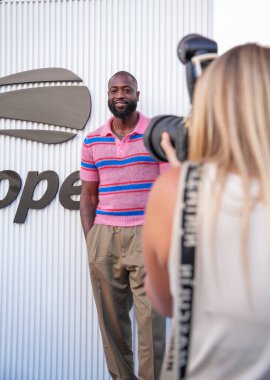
<point>121,220</point>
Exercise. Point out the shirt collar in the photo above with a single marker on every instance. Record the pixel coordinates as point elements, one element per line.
<point>139,129</point>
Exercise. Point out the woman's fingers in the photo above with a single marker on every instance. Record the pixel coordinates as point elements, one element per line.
<point>169,150</point>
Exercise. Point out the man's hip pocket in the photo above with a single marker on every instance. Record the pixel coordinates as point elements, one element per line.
<point>99,241</point>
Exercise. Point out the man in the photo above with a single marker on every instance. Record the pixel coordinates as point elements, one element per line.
<point>117,173</point>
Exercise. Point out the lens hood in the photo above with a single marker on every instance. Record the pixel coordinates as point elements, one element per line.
<point>178,135</point>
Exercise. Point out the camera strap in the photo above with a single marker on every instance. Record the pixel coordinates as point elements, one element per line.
<point>176,360</point>
<point>188,242</point>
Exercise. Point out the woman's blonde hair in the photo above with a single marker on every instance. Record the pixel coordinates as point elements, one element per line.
<point>230,121</point>
<point>231,112</point>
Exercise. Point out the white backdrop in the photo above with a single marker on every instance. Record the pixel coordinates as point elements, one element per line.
<point>241,21</point>
<point>48,322</point>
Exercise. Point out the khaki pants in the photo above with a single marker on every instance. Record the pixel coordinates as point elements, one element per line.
<point>117,276</point>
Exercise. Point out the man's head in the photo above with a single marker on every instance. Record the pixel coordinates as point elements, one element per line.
<point>123,94</point>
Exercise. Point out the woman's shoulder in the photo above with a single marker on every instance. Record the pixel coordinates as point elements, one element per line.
<point>164,191</point>
<point>168,179</point>
<point>160,212</point>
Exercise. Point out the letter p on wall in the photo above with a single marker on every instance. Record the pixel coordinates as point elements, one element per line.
<point>27,201</point>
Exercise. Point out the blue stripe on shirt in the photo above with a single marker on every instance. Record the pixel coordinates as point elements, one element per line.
<point>134,137</point>
<point>120,213</point>
<point>92,140</point>
<point>87,166</point>
<point>131,160</point>
<point>132,186</point>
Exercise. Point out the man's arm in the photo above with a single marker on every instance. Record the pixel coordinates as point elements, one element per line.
<point>88,204</point>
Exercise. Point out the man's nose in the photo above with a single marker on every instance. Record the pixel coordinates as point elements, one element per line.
<point>120,94</point>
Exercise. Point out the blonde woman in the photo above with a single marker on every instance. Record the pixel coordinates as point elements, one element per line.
<point>230,137</point>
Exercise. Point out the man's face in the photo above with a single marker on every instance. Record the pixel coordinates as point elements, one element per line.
<point>122,96</point>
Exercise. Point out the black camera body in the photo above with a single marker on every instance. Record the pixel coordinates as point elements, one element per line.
<point>195,52</point>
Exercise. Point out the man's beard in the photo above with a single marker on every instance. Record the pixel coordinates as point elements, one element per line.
<point>122,114</point>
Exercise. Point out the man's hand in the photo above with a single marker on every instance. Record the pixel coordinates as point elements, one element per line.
<point>88,204</point>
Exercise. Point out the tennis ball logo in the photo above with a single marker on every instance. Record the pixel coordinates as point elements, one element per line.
<point>67,106</point>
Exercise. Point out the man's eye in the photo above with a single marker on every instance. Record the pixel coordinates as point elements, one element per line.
<point>127,91</point>
<point>112,91</point>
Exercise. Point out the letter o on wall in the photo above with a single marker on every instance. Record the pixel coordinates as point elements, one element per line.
<point>15,184</point>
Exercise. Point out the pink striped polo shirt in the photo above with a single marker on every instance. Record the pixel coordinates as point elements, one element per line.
<point>125,172</point>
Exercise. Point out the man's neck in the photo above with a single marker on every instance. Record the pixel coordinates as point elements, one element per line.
<point>127,123</point>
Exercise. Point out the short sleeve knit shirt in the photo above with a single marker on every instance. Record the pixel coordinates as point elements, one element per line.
<point>125,172</point>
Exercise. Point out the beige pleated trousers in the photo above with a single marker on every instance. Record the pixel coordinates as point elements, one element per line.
<point>117,276</point>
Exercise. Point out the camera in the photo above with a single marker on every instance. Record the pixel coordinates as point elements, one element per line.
<point>195,52</point>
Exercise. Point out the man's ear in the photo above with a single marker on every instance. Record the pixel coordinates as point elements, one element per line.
<point>138,95</point>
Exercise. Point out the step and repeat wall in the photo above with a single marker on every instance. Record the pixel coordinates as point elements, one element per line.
<point>56,59</point>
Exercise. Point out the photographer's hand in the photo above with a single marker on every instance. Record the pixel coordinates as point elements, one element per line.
<point>169,150</point>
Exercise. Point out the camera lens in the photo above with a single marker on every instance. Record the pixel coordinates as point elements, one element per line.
<point>178,134</point>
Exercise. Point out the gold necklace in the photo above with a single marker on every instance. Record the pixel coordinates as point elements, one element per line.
<point>121,134</point>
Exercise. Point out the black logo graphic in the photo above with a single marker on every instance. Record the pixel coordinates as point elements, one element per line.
<point>63,106</point>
